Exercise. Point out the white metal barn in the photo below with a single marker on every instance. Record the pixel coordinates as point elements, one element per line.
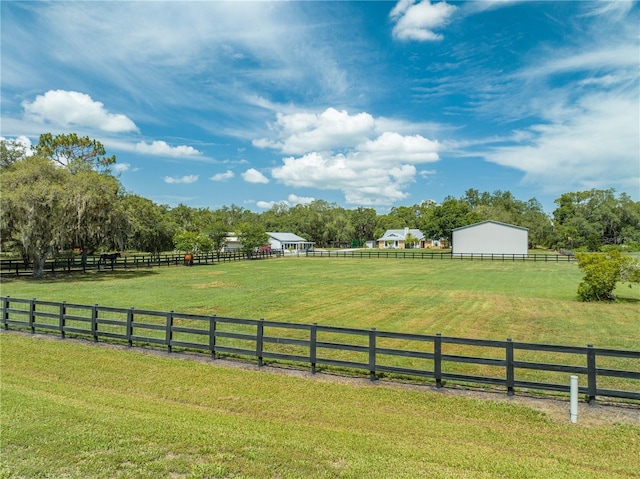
<point>490,237</point>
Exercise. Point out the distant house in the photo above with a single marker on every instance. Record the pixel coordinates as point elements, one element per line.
<point>288,241</point>
<point>398,239</point>
<point>490,237</point>
<point>232,243</point>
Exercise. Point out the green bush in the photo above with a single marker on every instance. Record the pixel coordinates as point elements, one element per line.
<point>602,271</point>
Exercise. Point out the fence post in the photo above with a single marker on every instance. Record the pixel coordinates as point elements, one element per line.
<point>5,315</point>
<point>591,374</point>
<point>94,322</point>
<point>212,336</point>
<point>313,335</point>
<point>509,364</point>
<point>169,330</point>
<point>259,343</point>
<point>61,318</point>
<point>130,326</point>
<point>32,315</point>
<point>372,354</point>
<point>437,360</point>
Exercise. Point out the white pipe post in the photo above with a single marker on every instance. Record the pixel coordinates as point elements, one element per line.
<point>574,399</point>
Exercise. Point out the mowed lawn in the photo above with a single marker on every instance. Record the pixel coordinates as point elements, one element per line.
<point>525,301</point>
<point>73,410</point>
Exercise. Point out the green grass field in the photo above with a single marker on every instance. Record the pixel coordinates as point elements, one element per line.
<point>526,301</point>
<point>73,410</point>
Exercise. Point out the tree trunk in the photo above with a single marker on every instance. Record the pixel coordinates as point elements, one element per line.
<point>38,265</point>
<point>84,260</point>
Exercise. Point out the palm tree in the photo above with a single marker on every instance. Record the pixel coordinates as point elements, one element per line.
<point>410,240</point>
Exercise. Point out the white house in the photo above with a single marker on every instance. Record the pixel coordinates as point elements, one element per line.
<point>288,241</point>
<point>397,239</point>
<point>490,237</point>
<point>232,242</point>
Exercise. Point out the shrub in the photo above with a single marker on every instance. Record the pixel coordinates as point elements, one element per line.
<point>601,273</point>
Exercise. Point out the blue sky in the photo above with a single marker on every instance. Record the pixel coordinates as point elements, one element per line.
<point>374,104</point>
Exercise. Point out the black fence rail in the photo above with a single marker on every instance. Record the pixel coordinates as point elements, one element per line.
<point>508,364</point>
<point>95,263</point>
<point>417,254</point>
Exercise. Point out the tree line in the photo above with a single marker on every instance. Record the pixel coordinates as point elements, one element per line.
<point>62,196</point>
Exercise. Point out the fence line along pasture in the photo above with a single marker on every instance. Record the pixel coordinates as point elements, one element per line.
<point>508,364</point>
<point>95,263</point>
<point>416,254</point>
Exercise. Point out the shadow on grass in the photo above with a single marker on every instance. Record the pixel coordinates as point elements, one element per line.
<point>84,277</point>
<point>622,299</point>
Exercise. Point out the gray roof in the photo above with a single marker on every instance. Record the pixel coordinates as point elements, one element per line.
<point>400,235</point>
<point>491,221</point>
<point>288,237</point>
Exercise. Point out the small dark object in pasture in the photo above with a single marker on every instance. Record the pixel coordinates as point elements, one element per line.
<point>104,257</point>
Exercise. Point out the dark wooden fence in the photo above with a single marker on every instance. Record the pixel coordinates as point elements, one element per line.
<point>509,364</point>
<point>421,254</point>
<point>93,263</point>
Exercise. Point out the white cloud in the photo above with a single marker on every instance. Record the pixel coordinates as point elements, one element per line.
<point>300,200</point>
<point>416,21</point>
<point>303,132</point>
<point>363,179</point>
<point>602,58</point>
<point>267,205</point>
<point>392,147</point>
<point>181,180</point>
<point>291,200</point>
<point>74,109</point>
<point>121,167</point>
<point>254,176</point>
<point>161,148</point>
<point>227,175</point>
<point>340,151</point>
<point>485,5</point>
<point>22,142</point>
<point>594,143</point>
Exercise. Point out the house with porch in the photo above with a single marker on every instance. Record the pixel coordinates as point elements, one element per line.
<point>288,242</point>
<point>397,239</point>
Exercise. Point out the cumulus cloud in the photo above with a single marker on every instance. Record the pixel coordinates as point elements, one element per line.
<point>340,151</point>
<point>299,200</point>
<point>227,175</point>
<point>121,167</point>
<point>254,176</point>
<point>21,142</point>
<point>391,147</point>
<point>161,148</point>
<point>75,109</point>
<point>291,200</point>
<point>416,21</point>
<point>267,205</point>
<point>181,180</point>
<point>362,179</point>
<point>303,132</point>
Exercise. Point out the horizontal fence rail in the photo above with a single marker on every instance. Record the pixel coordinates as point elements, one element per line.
<point>508,364</point>
<point>417,254</point>
<point>134,261</point>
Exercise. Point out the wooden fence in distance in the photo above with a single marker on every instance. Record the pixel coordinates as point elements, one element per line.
<point>93,263</point>
<point>421,254</point>
<point>377,353</point>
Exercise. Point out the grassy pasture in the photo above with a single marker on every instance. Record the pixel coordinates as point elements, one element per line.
<point>73,410</point>
<point>77,411</point>
<point>526,301</point>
